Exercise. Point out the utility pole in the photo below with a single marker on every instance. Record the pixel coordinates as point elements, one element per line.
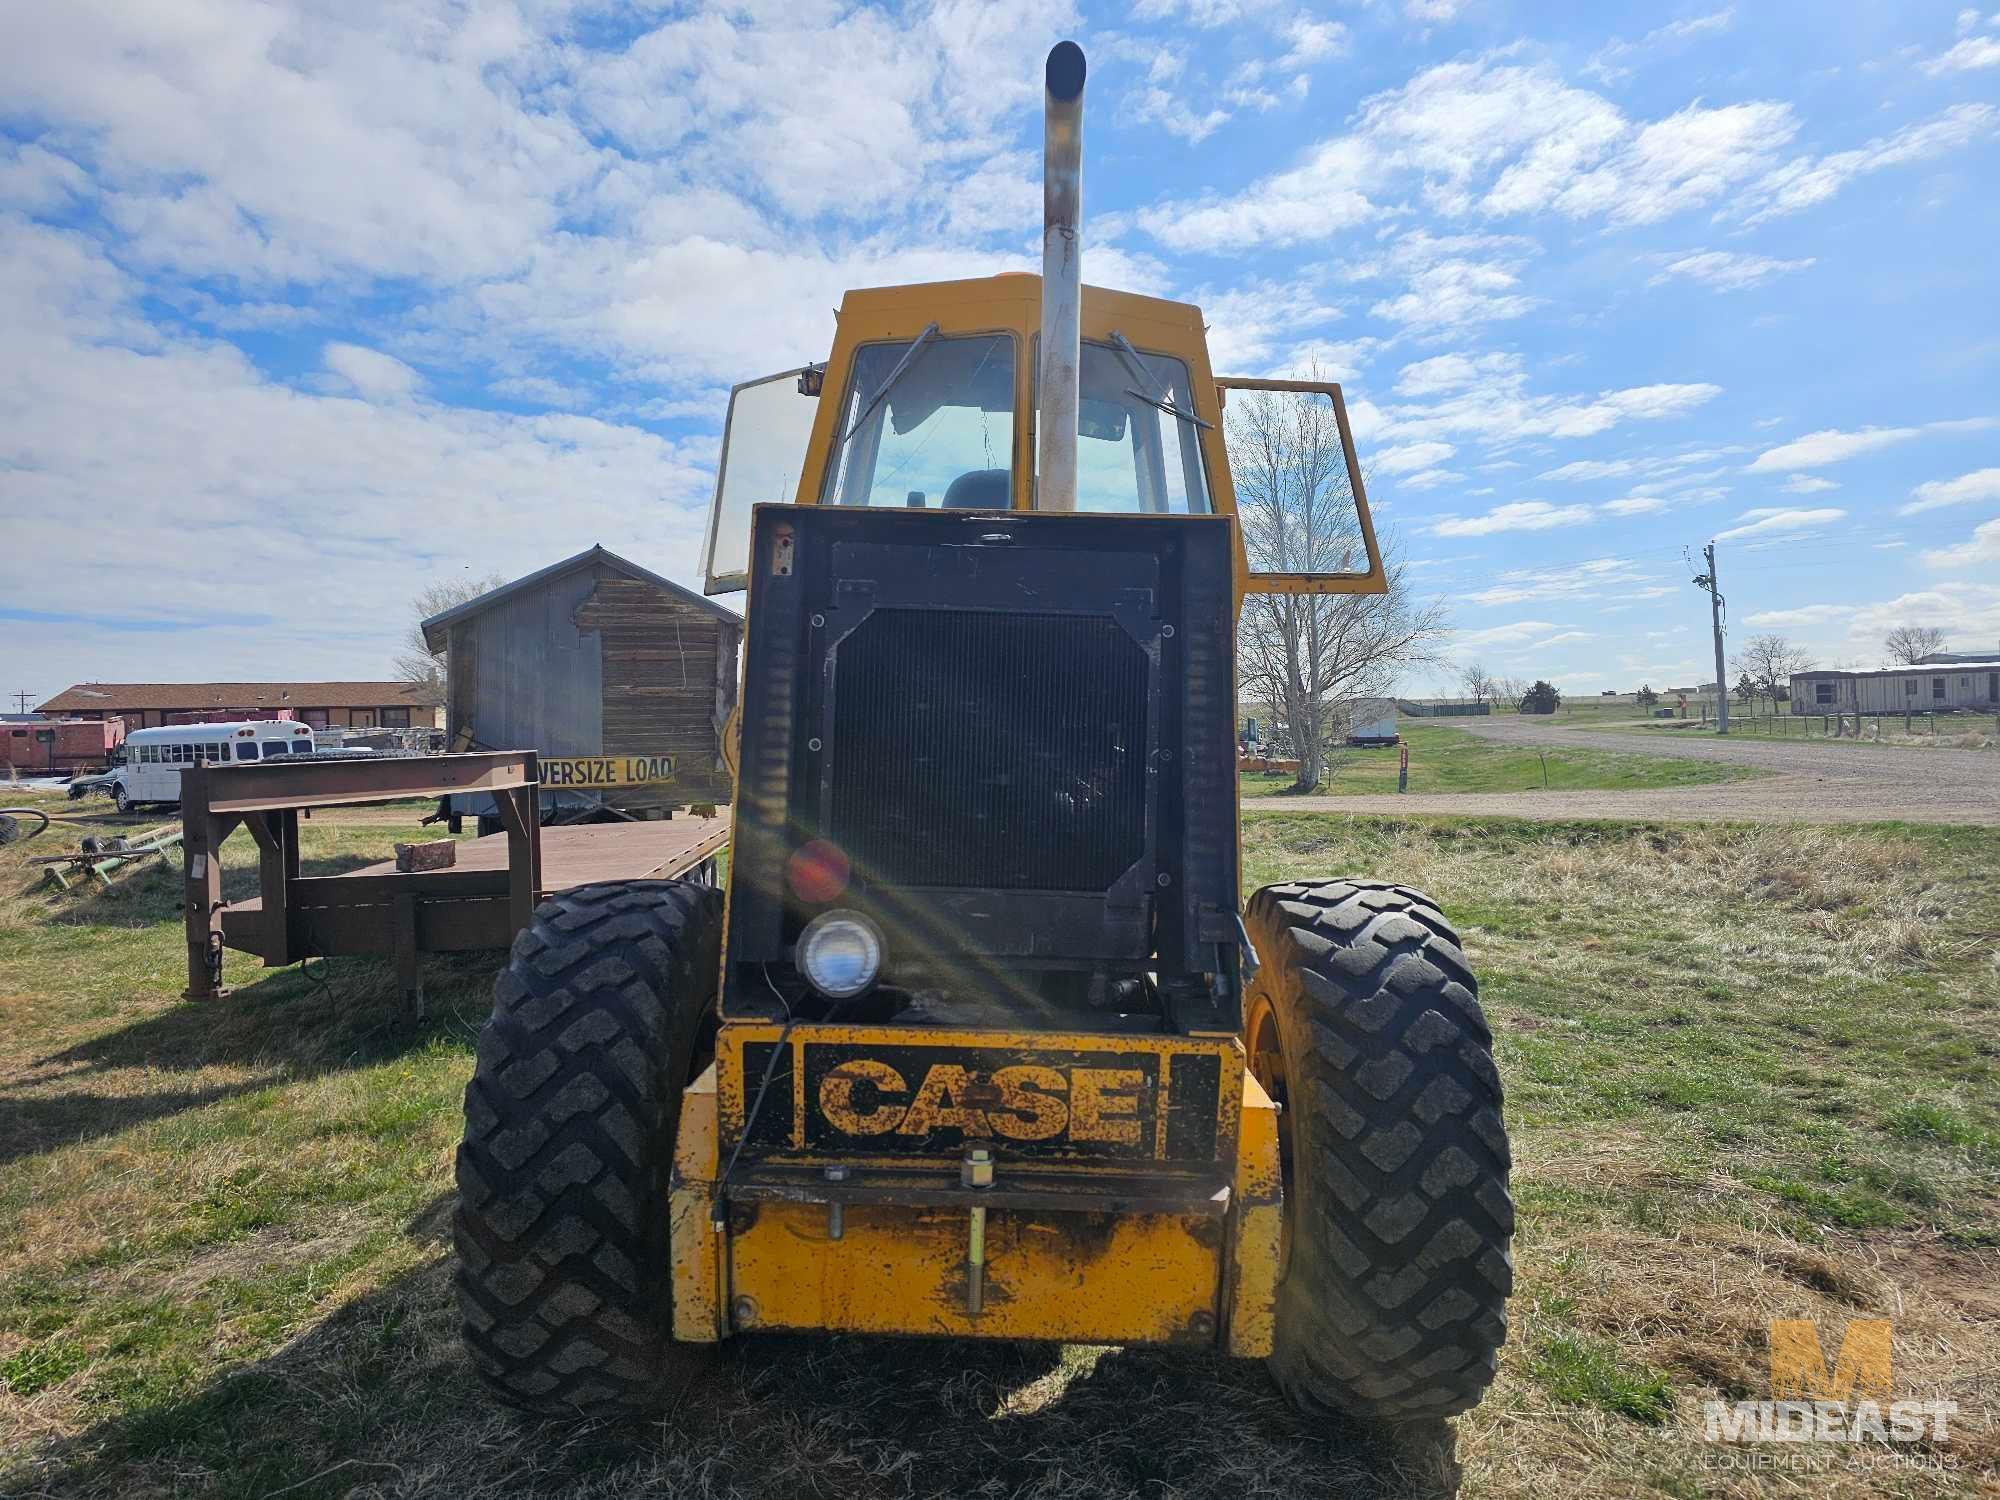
<point>22,699</point>
<point>1715,602</point>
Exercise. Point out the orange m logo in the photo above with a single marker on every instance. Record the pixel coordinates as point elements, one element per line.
<point>1798,1364</point>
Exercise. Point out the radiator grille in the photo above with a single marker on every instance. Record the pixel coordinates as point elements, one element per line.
<point>997,751</point>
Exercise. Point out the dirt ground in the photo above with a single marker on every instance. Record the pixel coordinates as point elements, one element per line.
<point>1812,783</point>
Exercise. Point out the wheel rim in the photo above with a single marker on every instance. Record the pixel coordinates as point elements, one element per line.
<point>1267,1066</point>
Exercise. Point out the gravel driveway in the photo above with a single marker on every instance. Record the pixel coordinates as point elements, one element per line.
<point>1813,782</point>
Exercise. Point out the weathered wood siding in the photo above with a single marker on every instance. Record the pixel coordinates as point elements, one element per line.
<point>669,679</point>
<point>523,677</point>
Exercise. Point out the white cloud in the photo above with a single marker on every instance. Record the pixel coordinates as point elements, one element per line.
<point>1407,458</point>
<point>1434,11</point>
<point>1453,372</point>
<point>1520,632</point>
<point>1807,484</point>
<point>1516,515</point>
<point>1453,281</point>
<point>1769,521</point>
<point>1430,479</point>
<point>1591,468</point>
<point>1981,549</point>
<point>1311,42</point>
<point>1504,411</point>
<point>1603,577</point>
<point>1164,103</point>
<point>1607,63</point>
<point>1563,637</point>
<point>371,374</point>
<point>1492,138</point>
<point>1967,612</point>
<point>1726,270</point>
<point>1248,323</point>
<point>1633,505</point>
<point>1973,52</point>
<point>1806,614</point>
<point>1967,489</point>
<point>1818,449</point>
<point>1807,181</point>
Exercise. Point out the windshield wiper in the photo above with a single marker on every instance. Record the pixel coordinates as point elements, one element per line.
<point>895,375</point>
<point>1136,365</point>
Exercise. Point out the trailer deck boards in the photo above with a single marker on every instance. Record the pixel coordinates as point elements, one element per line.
<point>581,854</point>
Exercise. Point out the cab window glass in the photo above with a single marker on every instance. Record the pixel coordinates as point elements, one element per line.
<point>927,423</point>
<point>1138,447</point>
<point>764,448</point>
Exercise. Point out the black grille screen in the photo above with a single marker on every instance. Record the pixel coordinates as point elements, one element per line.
<point>999,751</point>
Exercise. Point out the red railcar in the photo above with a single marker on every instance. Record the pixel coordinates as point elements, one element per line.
<point>60,746</point>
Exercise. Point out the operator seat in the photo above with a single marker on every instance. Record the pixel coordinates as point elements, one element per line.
<point>980,489</point>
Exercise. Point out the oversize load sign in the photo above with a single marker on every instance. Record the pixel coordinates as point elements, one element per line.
<point>582,772</point>
<point>920,1101</point>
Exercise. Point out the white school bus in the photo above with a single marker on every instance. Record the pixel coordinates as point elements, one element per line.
<point>154,758</point>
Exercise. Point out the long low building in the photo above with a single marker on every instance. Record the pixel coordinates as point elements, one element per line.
<point>324,705</point>
<point>1957,683</point>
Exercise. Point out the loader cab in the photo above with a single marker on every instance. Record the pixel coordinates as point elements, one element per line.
<point>928,399</point>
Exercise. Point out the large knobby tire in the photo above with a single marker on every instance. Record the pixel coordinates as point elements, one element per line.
<point>1364,1021</point>
<point>564,1281</point>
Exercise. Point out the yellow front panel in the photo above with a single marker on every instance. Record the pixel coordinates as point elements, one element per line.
<point>1075,1277</point>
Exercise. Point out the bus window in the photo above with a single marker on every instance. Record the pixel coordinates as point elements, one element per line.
<point>246,750</point>
<point>276,747</point>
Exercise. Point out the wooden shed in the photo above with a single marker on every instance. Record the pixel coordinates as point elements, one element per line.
<point>595,658</point>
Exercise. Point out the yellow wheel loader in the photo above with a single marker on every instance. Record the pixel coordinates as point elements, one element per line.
<point>981,1039</point>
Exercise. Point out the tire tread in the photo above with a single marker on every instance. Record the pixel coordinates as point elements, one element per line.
<point>1393,1306</point>
<point>563,1271</point>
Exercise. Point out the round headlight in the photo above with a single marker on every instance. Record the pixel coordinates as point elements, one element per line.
<point>840,953</point>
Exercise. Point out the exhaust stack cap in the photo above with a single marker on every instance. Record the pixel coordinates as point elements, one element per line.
<point>1065,71</point>
<point>1062,277</point>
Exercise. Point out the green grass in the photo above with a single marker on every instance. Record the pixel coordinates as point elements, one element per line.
<point>1750,1072</point>
<point>1583,1372</point>
<point>1447,760</point>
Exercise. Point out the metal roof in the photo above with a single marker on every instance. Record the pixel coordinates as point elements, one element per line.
<point>586,558</point>
<point>126,697</point>
<point>1921,669</point>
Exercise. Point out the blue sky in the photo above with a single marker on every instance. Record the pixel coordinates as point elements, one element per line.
<point>304,305</point>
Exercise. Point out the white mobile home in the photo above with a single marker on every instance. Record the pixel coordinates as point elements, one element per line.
<point>154,758</point>
<point>1964,685</point>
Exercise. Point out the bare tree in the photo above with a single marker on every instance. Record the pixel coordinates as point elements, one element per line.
<point>1509,689</point>
<point>1479,686</point>
<point>1769,661</point>
<point>1307,654</point>
<point>416,663</point>
<point>1910,644</point>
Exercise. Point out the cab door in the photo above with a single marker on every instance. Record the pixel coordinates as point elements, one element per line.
<point>1300,500</point>
<point>764,441</point>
